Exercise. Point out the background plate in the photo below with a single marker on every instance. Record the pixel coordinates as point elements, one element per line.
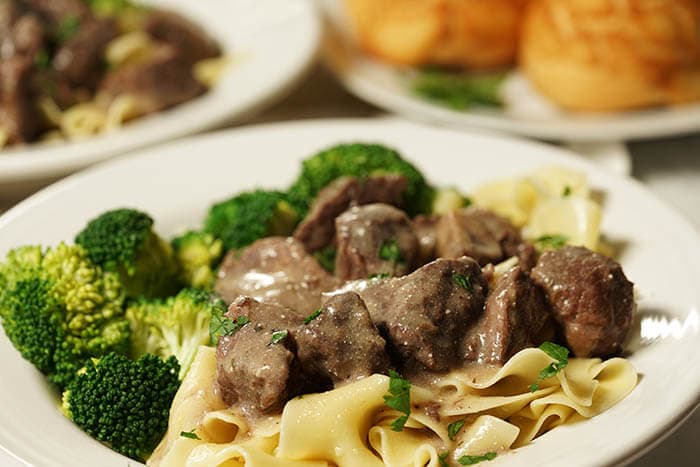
<point>661,255</point>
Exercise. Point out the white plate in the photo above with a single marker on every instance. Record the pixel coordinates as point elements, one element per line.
<point>662,258</point>
<point>271,43</point>
<point>526,112</point>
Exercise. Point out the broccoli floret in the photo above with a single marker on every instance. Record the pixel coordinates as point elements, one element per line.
<point>59,310</point>
<point>359,160</point>
<point>123,241</point>
<point>124,403</point>
<point>246,217</point>
<point>198,254</point>
<point>175,326</point>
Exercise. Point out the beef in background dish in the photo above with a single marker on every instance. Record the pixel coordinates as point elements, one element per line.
<point>57,12</point>
<point>374,239</point>
<point>275,270</point>
<point>591,299</point>
<point>317,230</point>
<point>189,40</point>
<point>18,115</point>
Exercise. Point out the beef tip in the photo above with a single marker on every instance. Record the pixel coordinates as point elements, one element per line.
<point>516,316</point>
<point>275,270</point>
<point>162,81</point>
<point>425,228</point>
<point>79,60</point>
<point>482,235</point>
<point>10,12</point>
<point>18,115</point>
<point>424,316</point>
<point>190,41</point>
<point>374,239</point>
<point>317,230</point>
<point>342,344</point>
<point>57,12</point>
<point>27,36</point>
<point>591,299</point>
<point>254,373</point>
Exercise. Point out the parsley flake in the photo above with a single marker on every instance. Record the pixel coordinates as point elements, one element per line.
<point>313,316</point>
<point>399,399</point>
<point>389,251</point>
<point>190,434</point>
<point>42,60</point>
<point>381,275</point>
<point>551,241</point>
<point>566,192</point>
<point>278,336</point>
<point>67,28</point>
<point>471,460</point>
<point>221,325</point>
<point>459,91</point>
<point>454,427</point>
<point>558,353</point>
<point>442,458</point>
<point>463,281</point>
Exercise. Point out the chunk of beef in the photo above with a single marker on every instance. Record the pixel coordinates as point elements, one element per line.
<point>162,81</point>
<point>254,373</point>
<point>425,228</point>
<point>79,60</point>
<point>57,12</point>
<point>275,270</point>
<point>190,41</point>
<point>27,36</point>
<point>592,300</point>
<point>342,344</point>
<point>482,235</point>
<point>10,12</point>
<point>424,316</point>
<point>317,230</point>
<point>374,239</point>
<point>18,115</point>
<point>516,316</point>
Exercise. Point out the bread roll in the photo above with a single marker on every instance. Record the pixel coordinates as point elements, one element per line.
<point>476,34</point>
<point>606,55</point>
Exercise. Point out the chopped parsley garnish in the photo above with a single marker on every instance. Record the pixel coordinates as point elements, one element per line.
<point>67,28</point>
<point>454,427</point>
<point>463,281</point>
<point>471,460</point>
<point>459,91</point>
<point>189,434</point>
<point>326,258</point>
<point>389,251</point>
<point>381,275</point>
<point>278,336</point>
<point>442,458</point>
<point>567,191</point>
<point>551,241</point>
<point>42,60</point>
<point>313,316</point>
<point>221,325</point>
<point>558,353</point>
<point>399,399</point>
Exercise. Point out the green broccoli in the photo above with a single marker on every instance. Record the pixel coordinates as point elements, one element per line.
<point>124,403</point>
<point>59,310</point>
<point>198,254</point>
<point>123,241</point>
<point>359,160</point>
<point>175,326</point>
<point>248,216</point>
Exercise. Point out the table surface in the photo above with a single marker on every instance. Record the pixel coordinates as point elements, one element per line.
<point>670,168</point>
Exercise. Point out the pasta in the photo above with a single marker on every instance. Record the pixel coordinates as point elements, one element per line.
<point>350,425</point>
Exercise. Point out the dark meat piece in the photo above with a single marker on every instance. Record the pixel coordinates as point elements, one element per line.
<point>516,316</point>
<point>79,60</point>
<point>190,41</point>
<point>162,81</point>
<point>18,116</point>
<point>425,315</point>
<point>342,344</point>
<point>27,36</point>
<point>424,227</point>
<point>592,300</point>
<point>318,228</point>
<point>275,270</point>
<point>10,12</point>
<point>374,239</point>
<point>252,372</point>
<point>482,235</point>
<point>57,12</point>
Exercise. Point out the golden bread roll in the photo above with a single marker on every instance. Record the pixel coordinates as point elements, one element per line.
<point>605,55</point>
<point>476,34</point>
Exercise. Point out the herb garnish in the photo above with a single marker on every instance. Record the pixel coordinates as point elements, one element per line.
<point>313,316</point>
<point>389,251</point>
<point>190,434</point>
<point>278,336</point>
<point>551,241</point>
<point>463,281</point>
<point>471,460</point>
<point>221,325</point>
<point>454,427</point>
<point>381,275</point>
<point>567,191</point>
<point>67,28</point>
<point>442,458</point>
<point>459,91</point>
<point>558,353</point>
<point>399,398</point>
<point>326,258</point>
<point>42,60</point>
